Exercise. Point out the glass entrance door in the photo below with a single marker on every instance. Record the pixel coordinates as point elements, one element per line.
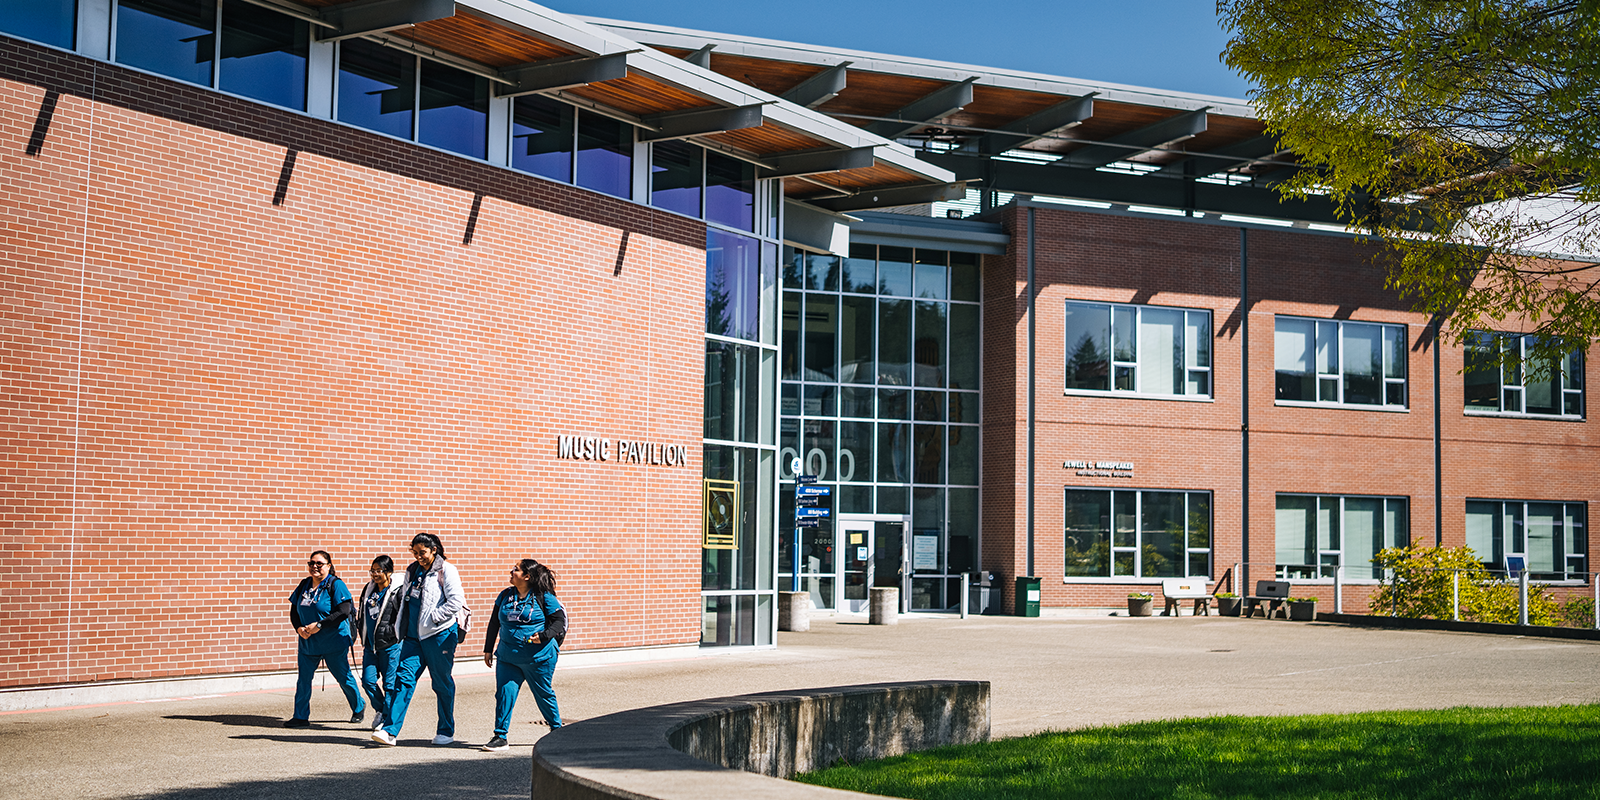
<point>874,551</point>
<point>856,542</point>
<point>889,556</point>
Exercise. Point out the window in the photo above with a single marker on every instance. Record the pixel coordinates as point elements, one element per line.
<point>1520,383</point>
<point>1549,535</point>
<point>1148,350</point>
<point>542,132</point>
<point>388,91</point>
<point>48,21</point>
<point>1340,363</point>
<point>691,180</point>
<point>235,46</point>
<point>1117,533</point>
<point>1318,533</point>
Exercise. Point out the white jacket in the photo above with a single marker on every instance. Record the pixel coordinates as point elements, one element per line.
<point>442,599</point>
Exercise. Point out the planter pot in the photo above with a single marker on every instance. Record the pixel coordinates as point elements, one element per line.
<point>1139,608</point>
<point>1229,606</point>
<point>1305,612</point>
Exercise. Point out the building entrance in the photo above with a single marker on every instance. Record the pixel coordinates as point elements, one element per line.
<point>875,554</point>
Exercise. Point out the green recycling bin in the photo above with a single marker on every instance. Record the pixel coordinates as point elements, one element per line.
<point>1027,597</point>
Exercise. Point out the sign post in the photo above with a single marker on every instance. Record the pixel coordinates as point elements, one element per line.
<point>810,509</point>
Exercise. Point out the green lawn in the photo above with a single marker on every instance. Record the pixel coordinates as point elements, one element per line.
<point>1455,754</point>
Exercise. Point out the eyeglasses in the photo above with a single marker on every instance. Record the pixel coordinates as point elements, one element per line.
<point>316,564</point>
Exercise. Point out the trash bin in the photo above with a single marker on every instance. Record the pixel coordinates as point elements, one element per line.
<point>1027,597</point>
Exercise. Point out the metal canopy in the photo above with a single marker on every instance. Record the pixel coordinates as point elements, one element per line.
<point>1125,146</point>
<point>797,164</point>
<point>545,76</point>
<point>935,105</point>
<point>820,88</point>
<point>683,124</point>
<point>1022,133</point>
<point>885,198</point>
<point>377,16</point>
<point>1032,128</point>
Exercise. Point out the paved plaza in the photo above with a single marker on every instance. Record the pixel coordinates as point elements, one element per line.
<point>1048,673</point>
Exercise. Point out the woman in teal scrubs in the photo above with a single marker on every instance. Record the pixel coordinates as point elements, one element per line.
<point>529,624</point>
<point>320,609</point>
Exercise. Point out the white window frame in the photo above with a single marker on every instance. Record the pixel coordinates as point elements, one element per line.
<point>1323,380</point>
<point>1191,368</point>
<point>1520,389</point>
<point>1330,558</point>
<point>1514,537</point>
<point>1137,549</point>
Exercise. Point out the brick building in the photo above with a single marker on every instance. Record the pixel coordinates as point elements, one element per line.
<point>289,275</point>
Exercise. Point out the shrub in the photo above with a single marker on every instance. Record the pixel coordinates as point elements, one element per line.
<point>1302,599</point>
<point>1420,587</point>
<point>1141,596</point>
<point>1226,595</point>
<point>1578,613</point>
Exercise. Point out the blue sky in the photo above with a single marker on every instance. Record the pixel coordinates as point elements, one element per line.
<point>1166,44</point>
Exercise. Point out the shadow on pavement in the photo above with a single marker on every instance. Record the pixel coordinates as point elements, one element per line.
<point>495,777</point>
<point>241,720</point>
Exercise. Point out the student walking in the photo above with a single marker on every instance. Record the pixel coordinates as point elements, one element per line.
<point>377,621</point>
<point>430,602</point>
<point>320,610</point>
<point>530,625</point>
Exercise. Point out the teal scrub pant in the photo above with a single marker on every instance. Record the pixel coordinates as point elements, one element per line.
<point>339,667</point>
<point>508,680</point>
<point>377,675</point>
<point>437,655</point>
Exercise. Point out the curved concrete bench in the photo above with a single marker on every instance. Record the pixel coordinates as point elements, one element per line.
<point>741,747</point>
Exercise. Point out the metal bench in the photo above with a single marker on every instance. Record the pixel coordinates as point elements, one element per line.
<point>1274,593</point>
<point>1176,590</point>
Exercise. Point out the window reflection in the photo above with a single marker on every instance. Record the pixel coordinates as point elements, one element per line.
<point>264,55</point>
<point>52,22</point>
<point>175,38</point>
<point>542,137</point>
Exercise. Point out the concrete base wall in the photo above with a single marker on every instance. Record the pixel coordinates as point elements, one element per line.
<point>738,746</point>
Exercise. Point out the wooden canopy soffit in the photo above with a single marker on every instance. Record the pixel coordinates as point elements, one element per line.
<point>522,60</point>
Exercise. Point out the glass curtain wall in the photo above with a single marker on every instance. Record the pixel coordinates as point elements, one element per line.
<point>880,378</point>
<point>737,583</point>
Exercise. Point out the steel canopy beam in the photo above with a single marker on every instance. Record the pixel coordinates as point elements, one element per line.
<point>1124,189</point>
<point>796,164</point>
<point>1222,159</point>
<point>1036,126</point>
<point>1126,145</point>
<point>702,57</point>
<point>377,16</point>
<point>539,77</point>
<point>937,103</point>
<point>821,87</point>
<point>683,124</point>
<point>885,198</point>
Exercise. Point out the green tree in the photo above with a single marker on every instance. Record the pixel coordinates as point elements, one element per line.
<point>1461,134</point>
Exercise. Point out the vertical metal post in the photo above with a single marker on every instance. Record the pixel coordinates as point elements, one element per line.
<point>966,587</point>
<point>1594,580</point>
<point>1244,406</point>
<point>1338,589</point>
<point>1522,597</point>
<point>1455,595</point>
<point>1032,315</point>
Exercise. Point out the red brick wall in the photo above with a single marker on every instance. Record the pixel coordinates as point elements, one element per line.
<point>201,386</point>
<point>1198,446</point>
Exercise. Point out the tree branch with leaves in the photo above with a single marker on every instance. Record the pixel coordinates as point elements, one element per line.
<point>1464,135</point>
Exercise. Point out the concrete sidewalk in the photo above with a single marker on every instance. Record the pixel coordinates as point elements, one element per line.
<point>1052,672</point>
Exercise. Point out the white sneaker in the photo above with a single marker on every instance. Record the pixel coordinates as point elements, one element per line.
<point>383,737</point>
<point>443,739</point>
